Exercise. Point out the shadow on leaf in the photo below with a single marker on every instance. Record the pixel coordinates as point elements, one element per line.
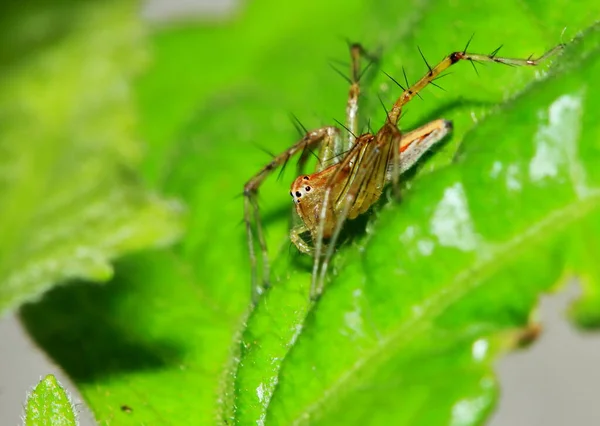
<point>81,327</point>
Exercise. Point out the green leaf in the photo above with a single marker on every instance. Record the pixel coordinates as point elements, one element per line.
<point>70,200</point>
<point>413,315</point>
<point>49,404</point>
<point>416,317</point>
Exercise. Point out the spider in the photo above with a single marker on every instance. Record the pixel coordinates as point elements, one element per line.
<point>352,170</point>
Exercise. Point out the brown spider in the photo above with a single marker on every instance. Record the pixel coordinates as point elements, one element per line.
<point>352,172</point>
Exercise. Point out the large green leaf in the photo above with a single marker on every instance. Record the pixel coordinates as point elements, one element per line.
<point>69,197</point>
<point>417,309</point>
<point>422,323</point>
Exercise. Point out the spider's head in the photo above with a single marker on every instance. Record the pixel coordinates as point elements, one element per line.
<point>300,188</point>
<point>308,192</point>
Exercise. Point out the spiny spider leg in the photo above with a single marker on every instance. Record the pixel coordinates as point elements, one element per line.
<point>325,135</point>
<point>452,59</point>
<point>332,154</point>
<point>356,52</point>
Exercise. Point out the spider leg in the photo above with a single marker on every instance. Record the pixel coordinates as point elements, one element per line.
<point>251,209</point>
<point>356,51</point>
<point>451,59</point>
<point>395,163</point>
<point>298,241</point>
<point>332,154</point>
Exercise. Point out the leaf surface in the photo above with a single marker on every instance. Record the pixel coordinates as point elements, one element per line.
<point>49,404</point>
<point>415,310</point>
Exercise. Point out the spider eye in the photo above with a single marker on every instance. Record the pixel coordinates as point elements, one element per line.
<point>307,188</point>
<point>298,194</point>
<point>291,193</point>
<point>306,178</point>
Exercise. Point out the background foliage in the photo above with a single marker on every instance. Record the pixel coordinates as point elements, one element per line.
<point>417,308</point>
